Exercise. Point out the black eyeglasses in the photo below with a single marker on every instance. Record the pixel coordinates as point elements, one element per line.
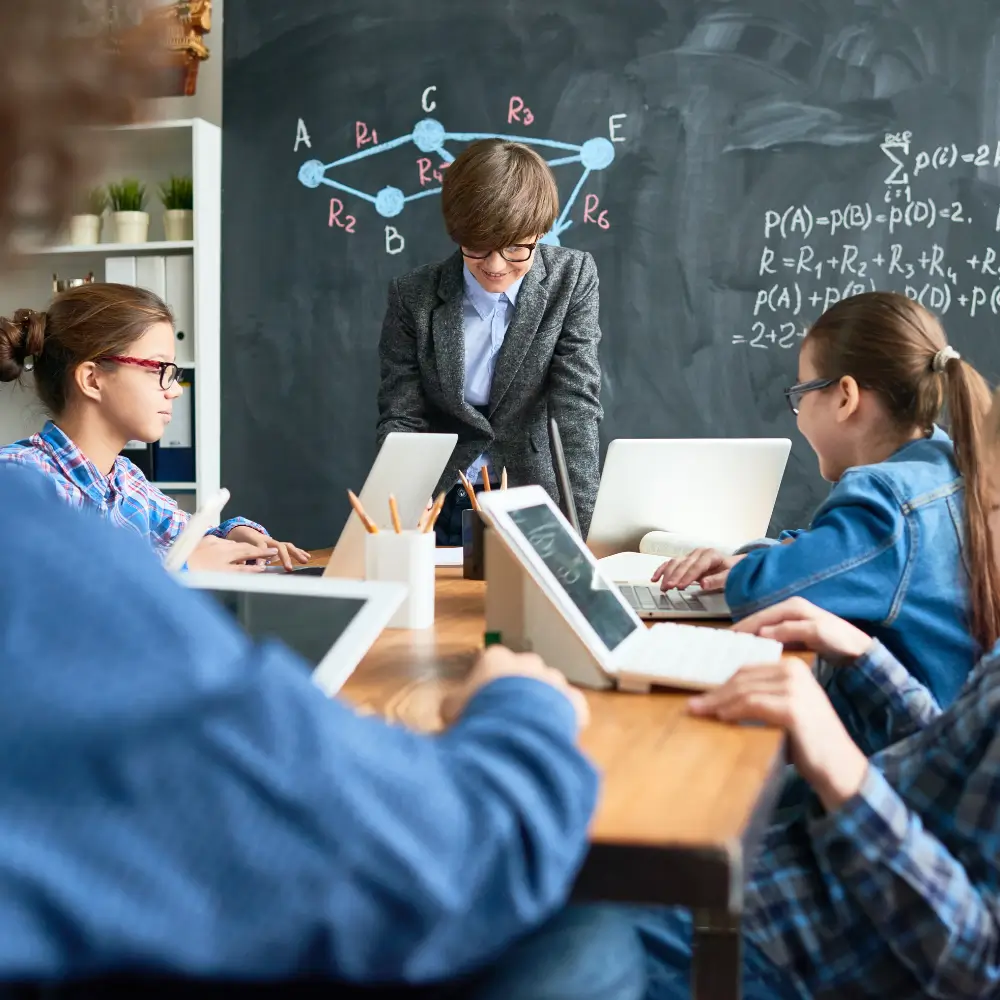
<point>516,254</point>
<point>794,393</point>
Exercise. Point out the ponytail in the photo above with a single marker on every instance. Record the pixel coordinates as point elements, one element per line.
<point>968,400</point>
<point>22,339</point>
<point>894,347</point>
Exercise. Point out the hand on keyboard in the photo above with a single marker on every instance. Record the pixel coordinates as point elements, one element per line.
<point>702,566</point>
<point>797,622</point>
<point>787,694</point>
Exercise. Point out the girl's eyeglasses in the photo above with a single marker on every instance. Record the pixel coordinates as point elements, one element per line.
<point>169,372</point>
<point>794,393</point>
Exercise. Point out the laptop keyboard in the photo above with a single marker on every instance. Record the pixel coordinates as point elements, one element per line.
<point>644,598</point>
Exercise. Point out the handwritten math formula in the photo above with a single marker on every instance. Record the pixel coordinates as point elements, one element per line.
<point>422,175</point>
<point>897,242</point>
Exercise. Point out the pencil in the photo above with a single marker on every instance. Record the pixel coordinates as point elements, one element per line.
<point>470,489</point>
<point>486,478</point>
<point>503,478</point>
<point>394,514</point>
<point>370,526</point>
<point>435,514</point>
<point>424,515</point>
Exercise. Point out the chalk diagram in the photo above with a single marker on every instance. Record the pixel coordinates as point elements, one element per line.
<point>430,136</point>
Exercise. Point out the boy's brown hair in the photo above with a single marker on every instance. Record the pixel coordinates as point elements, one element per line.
<point>496,194</point>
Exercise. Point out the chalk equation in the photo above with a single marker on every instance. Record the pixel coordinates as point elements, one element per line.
<point>865,247</point>
<point>430,138</point>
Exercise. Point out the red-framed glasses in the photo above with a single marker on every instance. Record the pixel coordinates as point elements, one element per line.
<point>169,372</point>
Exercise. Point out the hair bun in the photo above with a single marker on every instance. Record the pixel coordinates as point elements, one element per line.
<point>22,339</point>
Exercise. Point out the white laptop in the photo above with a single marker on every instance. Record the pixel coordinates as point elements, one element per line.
<point>718,488</point>
<point>615,647</point>
<point>722,489</point>
<point>330,623</point>
<point>408,466</point>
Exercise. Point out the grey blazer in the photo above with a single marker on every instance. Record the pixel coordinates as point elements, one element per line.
<point>548,364</point>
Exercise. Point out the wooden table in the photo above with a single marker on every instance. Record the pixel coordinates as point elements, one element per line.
<point>684,801</point>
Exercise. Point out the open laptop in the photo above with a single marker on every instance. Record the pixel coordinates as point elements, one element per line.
<point>643,596</point>
<point>721,489</point>
<point>718,488</point>
<point>623,650</point>
<point>408,466</point>
<point>330,623</point>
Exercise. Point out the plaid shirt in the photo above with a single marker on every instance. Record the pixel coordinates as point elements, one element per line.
<point>125,497</point>
<point>897,893</point>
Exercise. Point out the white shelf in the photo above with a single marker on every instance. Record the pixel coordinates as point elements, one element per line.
<point>150,126</point>
<point>176,487</point>
<point>154,246</point>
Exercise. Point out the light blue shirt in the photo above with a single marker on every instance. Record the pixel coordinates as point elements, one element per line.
<point>485,319</point>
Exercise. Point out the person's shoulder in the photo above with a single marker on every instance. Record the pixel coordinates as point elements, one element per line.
<point>920,472</point>
<point>427,277</point>
<point>30,452</point>
<point>566,262</point>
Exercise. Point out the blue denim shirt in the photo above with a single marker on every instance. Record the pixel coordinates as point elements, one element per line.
<point>883,551</point>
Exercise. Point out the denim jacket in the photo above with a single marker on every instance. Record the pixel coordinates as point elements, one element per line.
<point>884,551</point>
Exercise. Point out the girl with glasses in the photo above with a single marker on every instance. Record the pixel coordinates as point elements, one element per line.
<point>102,360</point>
<point>902,546</point>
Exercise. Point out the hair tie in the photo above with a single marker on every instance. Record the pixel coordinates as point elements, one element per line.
<point>940,360</point>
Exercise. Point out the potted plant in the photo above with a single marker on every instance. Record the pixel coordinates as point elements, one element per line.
<point>85,227</point>
<point>177,196</point>
<point>128,199</point>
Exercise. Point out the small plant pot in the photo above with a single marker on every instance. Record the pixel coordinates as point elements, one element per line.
<point>131,227</point>
<point>84,230</point>
<point>178,224</point>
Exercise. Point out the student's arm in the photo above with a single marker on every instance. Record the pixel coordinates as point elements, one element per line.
<point>574,390</point>
<point>849,562</point>
<point>401,403</point>
<point>870,850</point>
<point>414,858</point>
<point>880,701</point>
<point>916,893</point>
<point>167,521</point>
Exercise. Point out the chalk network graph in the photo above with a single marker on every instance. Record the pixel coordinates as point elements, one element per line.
<point>430,136</point>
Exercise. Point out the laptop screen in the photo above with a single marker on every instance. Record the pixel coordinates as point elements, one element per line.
<point>563,554</point>
<point>309,625</point>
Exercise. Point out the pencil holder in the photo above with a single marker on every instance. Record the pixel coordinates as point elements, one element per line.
<point>405,558</point>
<point>473,545</point>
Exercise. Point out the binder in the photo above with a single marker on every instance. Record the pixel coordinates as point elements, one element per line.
<point>174,456</point>
<point>150,273</point>
<point>120,270</point>
<point>179,297</point>
<point>141,455</point>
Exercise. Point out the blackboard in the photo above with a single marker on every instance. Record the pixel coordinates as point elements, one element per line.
<point>749,162</point>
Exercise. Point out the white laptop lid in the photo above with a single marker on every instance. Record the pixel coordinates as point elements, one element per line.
<point>198,525</point>
<point>409,467</point>
<point>330,623</point>
<point>538,534</point>
<point>721,489</point>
